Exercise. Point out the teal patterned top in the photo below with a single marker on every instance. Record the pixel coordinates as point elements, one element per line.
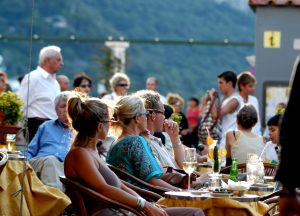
<point>133,155</point>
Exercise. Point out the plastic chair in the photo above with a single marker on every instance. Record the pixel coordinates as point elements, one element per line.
<point>136,181</point>
<point>76,191</point>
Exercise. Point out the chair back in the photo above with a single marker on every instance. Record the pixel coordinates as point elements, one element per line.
<point>75,191</point>
<point>270,169</point>
<point>136,181</point>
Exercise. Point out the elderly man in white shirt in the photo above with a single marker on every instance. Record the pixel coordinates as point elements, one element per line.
<point>40,87</point>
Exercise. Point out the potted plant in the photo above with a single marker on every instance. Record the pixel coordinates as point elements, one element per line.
<point>10,114</point>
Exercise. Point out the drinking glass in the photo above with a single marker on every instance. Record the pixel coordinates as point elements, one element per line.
<point>189,163</point>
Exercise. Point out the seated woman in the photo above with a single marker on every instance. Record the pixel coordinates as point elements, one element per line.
<point>84,164</point>
<point>243,141</point>
<point>131,151</point>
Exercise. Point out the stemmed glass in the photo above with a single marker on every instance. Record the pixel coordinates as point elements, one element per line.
<point>189,163</point>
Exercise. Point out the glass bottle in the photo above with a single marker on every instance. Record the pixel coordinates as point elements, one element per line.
<point>216,159</point>
<point>234,171</point>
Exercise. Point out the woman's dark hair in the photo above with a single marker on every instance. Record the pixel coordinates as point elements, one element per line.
<point>79,78</point>
<point>247,116</point>
<point>274,121</point>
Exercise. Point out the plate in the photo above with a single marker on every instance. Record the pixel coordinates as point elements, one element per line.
<point>260,185</point>
<point>221,194</point>
<point>199,192</point>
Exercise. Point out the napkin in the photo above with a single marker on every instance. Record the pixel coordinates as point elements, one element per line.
<point>240,185</point>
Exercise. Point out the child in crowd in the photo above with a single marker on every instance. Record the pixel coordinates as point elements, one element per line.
<point>272,147</point>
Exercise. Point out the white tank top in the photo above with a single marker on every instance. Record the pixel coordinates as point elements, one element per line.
<point>228,121</point>
<point>245,145</point>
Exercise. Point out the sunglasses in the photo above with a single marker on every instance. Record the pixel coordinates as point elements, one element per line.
<point>144,114</point>
<point>123,85</point>
<point>86,85</point>
<point>156,111</point>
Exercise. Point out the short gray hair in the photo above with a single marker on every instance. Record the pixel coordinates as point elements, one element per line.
<point>64,95</point>
<point>117,78</point>
<point>48,52</point>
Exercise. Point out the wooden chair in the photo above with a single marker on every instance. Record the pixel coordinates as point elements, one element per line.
<point>148,195</point>
<point>76,191</point>
<point>136,181</point>
<point>270,169</point>
<point>273,210</point>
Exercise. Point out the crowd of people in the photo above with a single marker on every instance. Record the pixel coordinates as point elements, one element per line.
<point>147,132</point>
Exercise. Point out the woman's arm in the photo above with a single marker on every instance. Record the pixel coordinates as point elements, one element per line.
<point>229,141</point>
<point>161,183</point>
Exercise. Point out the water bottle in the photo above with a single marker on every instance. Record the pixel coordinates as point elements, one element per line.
<point>234,171</point>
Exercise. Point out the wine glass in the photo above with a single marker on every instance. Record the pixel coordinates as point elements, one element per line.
<point>189,163</point>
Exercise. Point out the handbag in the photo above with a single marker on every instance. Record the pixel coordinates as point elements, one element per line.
<point>209,123</point>
<point>177,177</point>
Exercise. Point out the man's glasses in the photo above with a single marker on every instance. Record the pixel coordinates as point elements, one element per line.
<point>156,111</point>
<point>86,85</point>
<point>144,114</point>
<point>123,85</point>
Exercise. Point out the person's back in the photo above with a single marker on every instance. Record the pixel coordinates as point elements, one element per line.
<point>242,142</point>
<point>245,144</point>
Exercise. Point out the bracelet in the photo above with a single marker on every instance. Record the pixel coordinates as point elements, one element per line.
<point>140,204</point>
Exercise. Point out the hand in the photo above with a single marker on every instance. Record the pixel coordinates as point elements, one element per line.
<point>171,127</point>
<point>152,209</point>
<point>289,206</point>
<point>213,93</point>
<point>202,179</point>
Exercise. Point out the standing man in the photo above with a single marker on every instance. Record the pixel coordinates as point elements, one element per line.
<point>246,85</point>
<point>39,88</point>
<point>152,84</point>
<point>230,103</point>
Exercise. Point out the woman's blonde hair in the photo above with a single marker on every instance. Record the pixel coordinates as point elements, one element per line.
<point>125,110</point>
<point>85,113</point>
<point>175,99</point>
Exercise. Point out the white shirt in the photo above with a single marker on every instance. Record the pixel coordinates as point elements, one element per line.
<point>270,153</point>
<point>111,97</point>
<point>228,121</point>
<point>254,102</point>
<point>42,91</point>
<point>161,153</point>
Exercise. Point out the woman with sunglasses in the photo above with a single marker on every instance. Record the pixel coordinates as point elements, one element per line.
<point>83,83</point>
<point>83,163</point>
<point>119,84</point>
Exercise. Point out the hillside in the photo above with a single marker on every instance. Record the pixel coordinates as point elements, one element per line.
<point>188,70</point>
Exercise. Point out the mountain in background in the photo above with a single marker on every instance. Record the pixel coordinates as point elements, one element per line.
<point>186,69</point>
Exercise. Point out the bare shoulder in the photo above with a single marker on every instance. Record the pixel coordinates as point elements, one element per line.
<point>74,160</point>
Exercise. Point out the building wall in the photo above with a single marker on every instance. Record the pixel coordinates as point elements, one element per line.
<point>275,64</point>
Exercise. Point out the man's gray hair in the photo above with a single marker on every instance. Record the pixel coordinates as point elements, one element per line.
<point>48,52</point>
<point>64,95</point>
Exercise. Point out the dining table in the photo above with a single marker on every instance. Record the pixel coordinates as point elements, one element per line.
<point>248,205</point>
<point>28,197</point>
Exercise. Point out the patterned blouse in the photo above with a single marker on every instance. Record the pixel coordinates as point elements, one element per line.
<point>133,155</point>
